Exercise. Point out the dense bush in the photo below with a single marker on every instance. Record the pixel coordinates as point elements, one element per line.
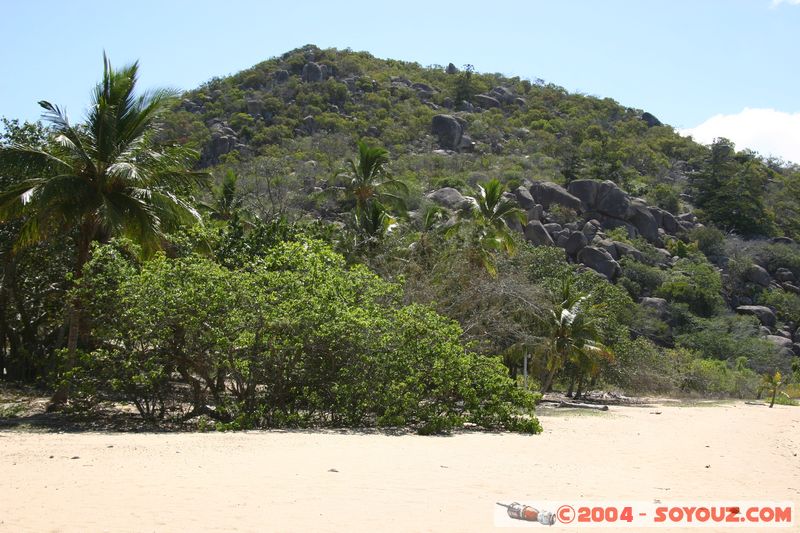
<point>730,337</point>
<point>296,338</point>
<point>696,283</point>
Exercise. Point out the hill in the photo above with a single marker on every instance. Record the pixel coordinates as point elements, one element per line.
<point>586,243</point>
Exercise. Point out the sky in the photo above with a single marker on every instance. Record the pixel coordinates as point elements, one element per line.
<point>709,68</point>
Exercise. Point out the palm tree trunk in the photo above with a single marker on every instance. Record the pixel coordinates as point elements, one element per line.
<point>61,396</point>
<point>548,383</point>
<point>774,393</point>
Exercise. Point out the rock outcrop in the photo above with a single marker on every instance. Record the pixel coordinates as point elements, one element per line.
<point>599,260</point>
<point>548,193</point>
<point>764,314</point>
<point>448,197</point>
<point>448,130</point>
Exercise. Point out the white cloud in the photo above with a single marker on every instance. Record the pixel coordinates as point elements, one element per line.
<point>776,3</point>
<point>767,131</point>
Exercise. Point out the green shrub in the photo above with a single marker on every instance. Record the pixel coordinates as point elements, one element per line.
<point>731,337</point>
<point>294,338</point>
<point>665,197</point>
<point>786,304</point>
<point>710,240</point>
<point>640,279</point>
<point>696,283</point>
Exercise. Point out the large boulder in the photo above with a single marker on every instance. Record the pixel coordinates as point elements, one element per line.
<point>665,220</point>
<point>448,130</point>
<point>536,234</point>
<point>784,345</point>
<point>658,305</point>
<point>600,261</point>
<point>784,274</point>
<point>586,190</point>
<point>548,193</point>
<point>650,120</point>
<point>281,76</point>
<point>448,197</point>
<point>624,249</point>
<point>502,94</point>
<point>536,212</point>
<point>644,221</point>
<point>591,228</point>
<point>524,198</point>
<point>486,101</point>
<point>223,140</point>
<point>605,197</point>
<point>612,201</point>
<point>451,69</point>
<point>758,275</point>
<point>764,314</point>
<point>311,72</point>
<point>575,242</point>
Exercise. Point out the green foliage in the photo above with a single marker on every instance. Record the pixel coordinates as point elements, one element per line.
<point>695,283</point>
<point>714,377</point>
<point>730,337</point>
<point>730,189</point>
<point>710,240</point>
<point>786,304</point>
<point>665,197</point>
<point>296,338</point>
<point>640,279</point>
<point>487,224</point>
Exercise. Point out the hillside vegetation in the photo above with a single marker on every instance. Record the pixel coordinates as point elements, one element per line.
<point>389,244</point>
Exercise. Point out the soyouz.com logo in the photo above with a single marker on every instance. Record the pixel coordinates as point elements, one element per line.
<point>734,514</point>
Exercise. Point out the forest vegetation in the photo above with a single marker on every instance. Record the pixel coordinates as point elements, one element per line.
<point>333,239</point>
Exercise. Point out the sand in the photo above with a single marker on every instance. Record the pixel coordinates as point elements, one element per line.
<point>329,481</point>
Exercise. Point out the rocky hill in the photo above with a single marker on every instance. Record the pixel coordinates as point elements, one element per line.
<point>701,238</point>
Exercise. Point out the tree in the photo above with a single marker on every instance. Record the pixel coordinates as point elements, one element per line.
<point>730,189</point>
<point>571,335</point>
<point>771,383</point>
<point>369,179</point>
<point>103,178</point>
<point>488,217</point>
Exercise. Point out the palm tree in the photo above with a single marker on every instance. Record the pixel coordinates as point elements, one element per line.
<point>228,202</point>
<point>369,180</point>
<point>571,335</point>
<point>771,383</point>
<point>488,215</point>
<point>103,178</point>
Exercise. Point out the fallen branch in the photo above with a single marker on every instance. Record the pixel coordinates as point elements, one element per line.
<point>583,406</point>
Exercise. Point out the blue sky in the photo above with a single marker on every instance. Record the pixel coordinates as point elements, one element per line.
<point>710,67</point>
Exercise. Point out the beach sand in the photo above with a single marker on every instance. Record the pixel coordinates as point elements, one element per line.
<point>365,481</point>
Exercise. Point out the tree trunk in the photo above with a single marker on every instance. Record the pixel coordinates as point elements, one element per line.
<point>579,392</point>
<point>774,393</point>
<point>548,383</point>
<point>61,396</point>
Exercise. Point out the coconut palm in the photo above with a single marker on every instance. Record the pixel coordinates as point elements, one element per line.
<point>103,178</point>
<point>369,180</point>
<point>488,216</point>
<point>771,383</point>
<point>571,335</point>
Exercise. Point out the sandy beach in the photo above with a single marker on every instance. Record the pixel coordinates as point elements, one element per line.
<point>363,481</point>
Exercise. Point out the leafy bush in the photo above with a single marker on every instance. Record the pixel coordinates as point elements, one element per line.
<point>294,338</point>
<point>640,279</point>
<point>786,304</point>
<point>709,239</point>
<point>709,376</point>
<point>731,337</point>
<point>696,283</point>
<point>665,197</point>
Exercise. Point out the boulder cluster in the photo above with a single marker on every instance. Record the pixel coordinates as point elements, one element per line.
<point>787,337</point>
<point>594,207</point>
